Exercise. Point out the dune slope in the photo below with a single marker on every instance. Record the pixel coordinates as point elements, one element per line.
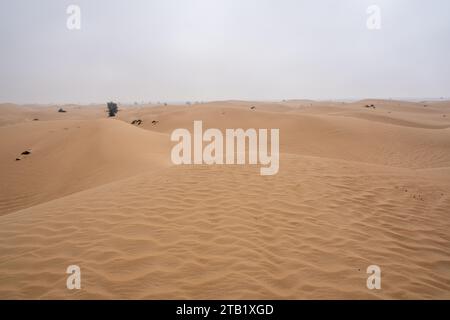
<point>72,155</point>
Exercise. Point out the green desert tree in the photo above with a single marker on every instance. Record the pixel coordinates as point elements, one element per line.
<point>112,109</point>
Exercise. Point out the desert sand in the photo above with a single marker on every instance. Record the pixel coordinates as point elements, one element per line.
<point>357,186</point>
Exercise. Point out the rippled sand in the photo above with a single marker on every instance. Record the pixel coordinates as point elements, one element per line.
<point>356,187</point>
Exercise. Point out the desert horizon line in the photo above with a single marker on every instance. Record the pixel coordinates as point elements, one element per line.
<point>200,101</point>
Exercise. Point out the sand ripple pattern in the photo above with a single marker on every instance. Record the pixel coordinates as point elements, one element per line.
<point>225,232</point>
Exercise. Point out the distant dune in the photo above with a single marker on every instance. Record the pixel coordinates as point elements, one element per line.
<point>357,186</point>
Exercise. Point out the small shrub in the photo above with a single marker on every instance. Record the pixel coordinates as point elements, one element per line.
<point>112,109</point>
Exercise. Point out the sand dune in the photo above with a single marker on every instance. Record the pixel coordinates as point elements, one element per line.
<point>356,187</point>
<point>326,135</point>
<point>71,155</point>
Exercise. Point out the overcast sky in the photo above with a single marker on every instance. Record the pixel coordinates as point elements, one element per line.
<point>177,50</point>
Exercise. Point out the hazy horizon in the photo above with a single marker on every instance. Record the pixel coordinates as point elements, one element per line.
<point>200,50</point>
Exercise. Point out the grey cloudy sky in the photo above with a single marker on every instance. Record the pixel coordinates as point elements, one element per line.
<point>170,50</point>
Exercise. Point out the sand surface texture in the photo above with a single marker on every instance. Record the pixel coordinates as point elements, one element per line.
<point>357,186</point>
